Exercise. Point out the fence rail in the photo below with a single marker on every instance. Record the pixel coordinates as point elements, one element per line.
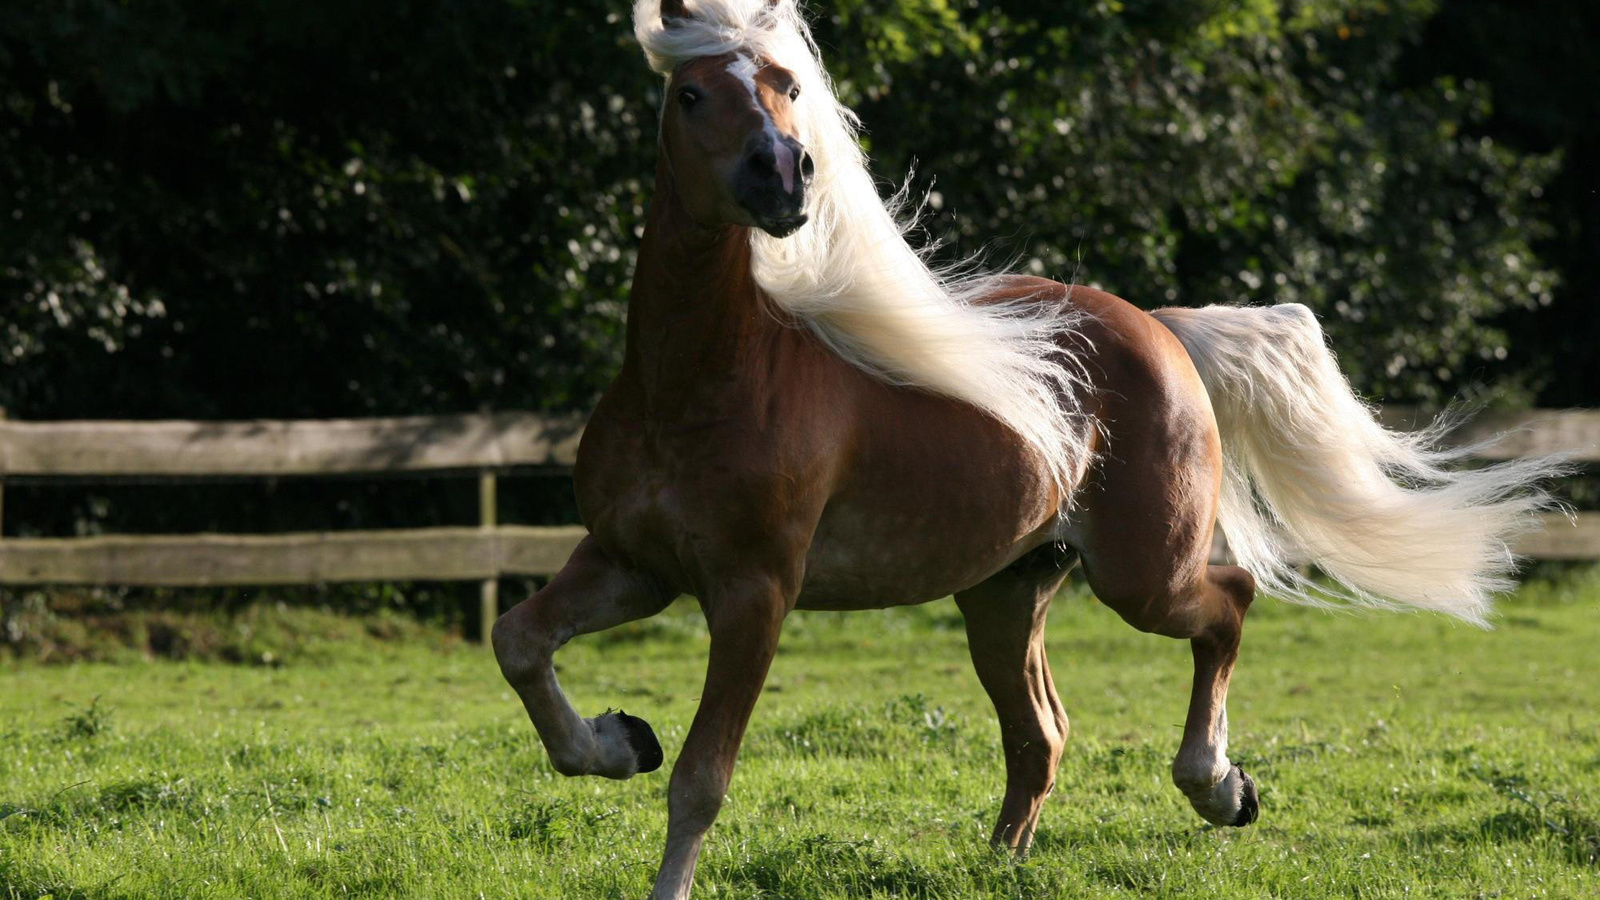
<point>1505,435</point>
<point>210,560</point>
<point>279,448</point>
<point>487,443</point>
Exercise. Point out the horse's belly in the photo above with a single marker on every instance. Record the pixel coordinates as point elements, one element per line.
<point>862,561</point>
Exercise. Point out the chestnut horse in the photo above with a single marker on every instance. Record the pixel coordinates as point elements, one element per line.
<point>809,417</point>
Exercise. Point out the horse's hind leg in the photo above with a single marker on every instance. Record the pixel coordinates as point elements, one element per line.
<point>1209,613</point>
<point>589,594</point>
<point>1143,526</point>
<point>1005,618</point>
<point>1218,790</point>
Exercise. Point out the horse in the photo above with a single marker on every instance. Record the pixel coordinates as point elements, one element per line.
<point>811,415</point>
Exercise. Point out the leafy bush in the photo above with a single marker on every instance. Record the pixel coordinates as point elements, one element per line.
<point>287,208</point>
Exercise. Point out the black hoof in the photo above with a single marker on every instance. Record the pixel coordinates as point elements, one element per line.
<point>1249,804</point>
<point>642,738</point>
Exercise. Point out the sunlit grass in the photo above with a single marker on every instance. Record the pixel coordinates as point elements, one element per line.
<point>1397,756</point>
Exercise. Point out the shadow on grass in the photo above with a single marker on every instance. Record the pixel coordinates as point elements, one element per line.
<point>1536,817</point>
<point>1574,836</point>
<point>816,865</point>
<point>21,881</point>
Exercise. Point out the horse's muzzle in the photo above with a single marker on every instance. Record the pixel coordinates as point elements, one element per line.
<point>783,227</point>
<point>772,184</point>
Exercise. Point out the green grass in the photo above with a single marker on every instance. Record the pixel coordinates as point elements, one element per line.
<point>1397,756</point>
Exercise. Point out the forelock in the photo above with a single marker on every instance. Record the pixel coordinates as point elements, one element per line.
<point>714,28</point>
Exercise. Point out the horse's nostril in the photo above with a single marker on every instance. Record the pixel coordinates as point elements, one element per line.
<point>763,162</point>
<point>808,168</point>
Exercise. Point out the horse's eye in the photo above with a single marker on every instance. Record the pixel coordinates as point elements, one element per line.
<point>688,97</point>
<point>794,93</point>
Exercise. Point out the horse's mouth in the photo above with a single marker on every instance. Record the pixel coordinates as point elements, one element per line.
<point>781,226</point>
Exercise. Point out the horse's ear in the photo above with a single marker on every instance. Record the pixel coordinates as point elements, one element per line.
<point>672,9</point>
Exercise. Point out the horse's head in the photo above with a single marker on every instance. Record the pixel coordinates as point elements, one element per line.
<point>729,133</point>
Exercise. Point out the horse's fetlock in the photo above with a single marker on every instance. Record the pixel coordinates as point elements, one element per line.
<point>568,763</point>
<point>1199,772</point>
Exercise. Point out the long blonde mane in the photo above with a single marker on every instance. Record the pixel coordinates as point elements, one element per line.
<point>850,276</point>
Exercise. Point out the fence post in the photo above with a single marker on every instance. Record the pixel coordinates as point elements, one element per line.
<point>489,591</point>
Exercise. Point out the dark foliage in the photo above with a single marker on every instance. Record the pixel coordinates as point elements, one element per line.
<point>304,209</point>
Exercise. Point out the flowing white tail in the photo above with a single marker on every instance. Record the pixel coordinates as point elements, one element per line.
<point>1310,473</point>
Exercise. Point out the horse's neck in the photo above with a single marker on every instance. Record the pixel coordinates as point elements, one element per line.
<point>695,316</point>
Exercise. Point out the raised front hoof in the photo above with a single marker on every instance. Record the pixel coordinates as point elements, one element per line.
<point>639,749</point>
<point>1230,802</point>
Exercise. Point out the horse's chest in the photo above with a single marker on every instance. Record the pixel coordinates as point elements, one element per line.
<point>634,511</point>
<point>869,522</point>
<point>664,506</point>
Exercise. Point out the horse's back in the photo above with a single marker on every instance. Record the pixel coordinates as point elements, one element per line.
<point>1121,346</point>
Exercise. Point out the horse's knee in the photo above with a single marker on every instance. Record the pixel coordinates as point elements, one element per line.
<point>509,651</point>
<point>694,799</point>
<point>1033,758</point>
<point>1045,750</point>
<point>1063,728</point>
<point>521,649</point>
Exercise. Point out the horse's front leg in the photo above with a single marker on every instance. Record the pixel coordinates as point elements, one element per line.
<point>590,593</point>
<point>744,622</point>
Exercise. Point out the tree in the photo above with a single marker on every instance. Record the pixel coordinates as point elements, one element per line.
<point>287,208</point>
<point>1194,153</point>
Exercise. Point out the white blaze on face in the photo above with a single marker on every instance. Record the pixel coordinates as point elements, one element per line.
<point>744,68</point>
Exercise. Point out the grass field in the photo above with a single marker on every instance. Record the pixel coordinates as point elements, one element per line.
<point>1398,756</point>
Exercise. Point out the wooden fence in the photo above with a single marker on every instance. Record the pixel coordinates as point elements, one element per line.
<point>486,444</point>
